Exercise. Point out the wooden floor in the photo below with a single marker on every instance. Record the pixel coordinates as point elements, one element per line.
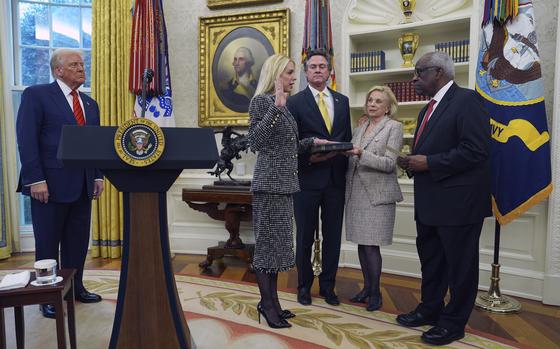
<point>537,325</point>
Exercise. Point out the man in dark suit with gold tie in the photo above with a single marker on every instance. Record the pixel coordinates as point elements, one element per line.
<point>450,165</point>
<point>323,113</point>
<point>60,197</point>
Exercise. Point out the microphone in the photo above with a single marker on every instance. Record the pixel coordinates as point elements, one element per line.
<point>147,77</point>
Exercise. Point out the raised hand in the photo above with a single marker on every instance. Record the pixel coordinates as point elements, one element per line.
<point>279,93</point>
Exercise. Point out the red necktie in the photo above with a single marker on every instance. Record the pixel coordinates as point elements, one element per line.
<point>77,108</point>
<point>425,120</point>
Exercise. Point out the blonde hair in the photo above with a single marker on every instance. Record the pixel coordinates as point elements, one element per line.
<point>393,104</point>
<point>271,69</point>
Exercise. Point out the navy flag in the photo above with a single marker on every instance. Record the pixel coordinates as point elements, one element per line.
<point>509,79</point>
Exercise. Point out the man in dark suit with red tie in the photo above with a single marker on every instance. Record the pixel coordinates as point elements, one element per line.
<point>450,165</point>
<point>60,197</point>
<point>322,113</point>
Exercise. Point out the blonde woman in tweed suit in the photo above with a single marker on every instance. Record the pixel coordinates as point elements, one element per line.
<point>372,188</point>
<point>273,134</point>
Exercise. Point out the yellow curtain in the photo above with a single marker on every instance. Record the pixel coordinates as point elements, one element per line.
<point>9,234</point>
<point>111,37</point>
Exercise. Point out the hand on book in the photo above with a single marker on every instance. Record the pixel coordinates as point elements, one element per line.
<point>356,151</point>
<point>320,141</point>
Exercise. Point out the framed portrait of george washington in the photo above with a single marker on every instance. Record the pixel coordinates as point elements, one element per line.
<point>214,4</point>
<point>232,50</point>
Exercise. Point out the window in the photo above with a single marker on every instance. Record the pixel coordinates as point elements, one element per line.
<point>40,27</point>
<point>43,26</point>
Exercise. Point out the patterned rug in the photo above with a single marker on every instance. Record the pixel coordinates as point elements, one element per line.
<point>223,315</point>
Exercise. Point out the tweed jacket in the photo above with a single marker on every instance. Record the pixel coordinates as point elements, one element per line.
<point>273,133</point>
<point>376,167</point>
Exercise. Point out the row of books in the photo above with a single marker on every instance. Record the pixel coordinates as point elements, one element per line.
<point>457,50</point>
<point>367,61</point>
<point>404,91</point>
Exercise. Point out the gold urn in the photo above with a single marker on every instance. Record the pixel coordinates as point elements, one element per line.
<point>408,43</point>
<point>407,6</point>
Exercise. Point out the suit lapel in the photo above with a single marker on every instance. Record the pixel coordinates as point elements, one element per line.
<point>436,115</point>
<point>336,110</point>
<point>376,129</point>
<point>88,109</point>
<point>62,104</point>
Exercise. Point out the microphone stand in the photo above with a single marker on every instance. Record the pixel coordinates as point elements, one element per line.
<point>146,79</point>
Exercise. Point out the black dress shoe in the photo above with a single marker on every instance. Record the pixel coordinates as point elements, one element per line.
<point>48,311</point>
<point>286,314</point>
<point>330,297</point>
<point>361,297</point>
<point>87,297</point>
<point>374,303</point>
<point>415,319</point>
<point>441,336</point>
<point>281,323</point>
<point>303,296</point>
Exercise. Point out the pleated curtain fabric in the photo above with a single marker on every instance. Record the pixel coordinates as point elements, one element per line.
<point>9,234</point>
<point>112,26</point>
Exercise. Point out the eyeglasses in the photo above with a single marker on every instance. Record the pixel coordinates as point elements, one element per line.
<point>419,71</point>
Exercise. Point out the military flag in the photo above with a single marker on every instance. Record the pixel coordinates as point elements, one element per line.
<point>149,50</point>
<point>509,79</point>
<point>317,32</point>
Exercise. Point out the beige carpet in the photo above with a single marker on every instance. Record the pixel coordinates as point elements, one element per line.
<point>223,315</point>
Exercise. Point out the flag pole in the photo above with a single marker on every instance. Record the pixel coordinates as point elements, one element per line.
<point>316,265</point>
<point>493,301</point>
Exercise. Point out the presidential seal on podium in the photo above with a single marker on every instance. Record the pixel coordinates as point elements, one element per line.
<point>139,142</point>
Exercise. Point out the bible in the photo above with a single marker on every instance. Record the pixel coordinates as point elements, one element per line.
<point>326,148</point>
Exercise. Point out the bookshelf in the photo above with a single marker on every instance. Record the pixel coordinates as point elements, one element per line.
<point>436,21</point>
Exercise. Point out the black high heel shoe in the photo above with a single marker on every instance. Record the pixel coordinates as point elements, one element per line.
<point>374,303</point>
<point>286,314</point>
<point>361,297</point>
<point>280,324</point>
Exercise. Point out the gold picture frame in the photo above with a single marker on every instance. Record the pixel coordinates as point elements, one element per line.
<point>232,49</point>
<point>214,4</point>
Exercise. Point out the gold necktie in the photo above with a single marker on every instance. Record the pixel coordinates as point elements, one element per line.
<point>324,112</point>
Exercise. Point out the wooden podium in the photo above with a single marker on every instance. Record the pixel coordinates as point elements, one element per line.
<point>149,313</point>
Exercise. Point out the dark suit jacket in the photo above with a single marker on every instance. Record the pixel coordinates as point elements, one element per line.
<point>456,188</point>
<point>42,113</point>
<point>311,124</point>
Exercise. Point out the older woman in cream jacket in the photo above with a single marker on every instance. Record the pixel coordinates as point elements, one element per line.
<point>372,189</point>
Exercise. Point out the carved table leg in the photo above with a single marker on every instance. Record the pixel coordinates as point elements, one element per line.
<point>208,262</point>
<point>232,217</point>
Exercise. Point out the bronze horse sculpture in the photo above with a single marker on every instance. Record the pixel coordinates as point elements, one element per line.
<point>231,147</point>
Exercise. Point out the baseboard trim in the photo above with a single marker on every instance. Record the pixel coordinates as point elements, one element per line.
<point>551,286</point>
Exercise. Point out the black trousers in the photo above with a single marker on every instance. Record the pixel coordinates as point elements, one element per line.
<point>449,257</point>
<point>306,208</point>
<point>65,226</point>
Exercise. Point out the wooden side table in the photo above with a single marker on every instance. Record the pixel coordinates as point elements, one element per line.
<point>238,208</point>
<point>50,294</point>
